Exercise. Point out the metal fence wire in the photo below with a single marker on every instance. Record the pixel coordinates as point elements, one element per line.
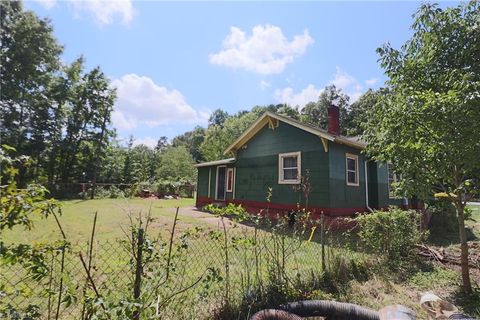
<point>188,277</point>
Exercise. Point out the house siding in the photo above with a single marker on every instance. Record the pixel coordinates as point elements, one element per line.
<point>341,194</point>
<point>382,183</point>
<point>202,181</point>
<point>257,166</point>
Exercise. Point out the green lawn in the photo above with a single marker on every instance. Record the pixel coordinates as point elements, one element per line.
<point>203,251</point>
<point>113,215</point>
<point>474,222</point>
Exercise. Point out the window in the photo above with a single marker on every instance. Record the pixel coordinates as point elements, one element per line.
<point>289,168</point>
<point>230,179</point>
<point>351,166</point>
<point>393,178</point>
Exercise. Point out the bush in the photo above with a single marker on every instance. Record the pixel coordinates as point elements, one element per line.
<point>103,193</point>
<point>235,211</point>
<point>392,234</point>
<point>444,216</point>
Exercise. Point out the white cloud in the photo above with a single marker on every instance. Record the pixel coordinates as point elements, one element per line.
<point>371,82</point>
<point>148,141</point>
<point>47,4</point>
<point>106,11</point>
<point>266,51</point>
<point>287,95</point>
<point>348,83</point>
<point>121,122</point>
<point>264,84</point>
<point>140,101</point>
<point>341,79</point>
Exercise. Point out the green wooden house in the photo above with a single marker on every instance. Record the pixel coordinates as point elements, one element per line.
<point>277,151</point>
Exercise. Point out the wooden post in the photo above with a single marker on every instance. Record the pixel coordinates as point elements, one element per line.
<point>322,239</point>
<point>138,272</point>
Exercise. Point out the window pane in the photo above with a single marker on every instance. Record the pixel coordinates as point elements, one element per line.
<point>290,162</point>
<point>351,164</point>
<point>290,174</point>
<point>352,177</point>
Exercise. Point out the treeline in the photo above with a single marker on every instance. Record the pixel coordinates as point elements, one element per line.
<point>59,115</point>
<point>56,113</point>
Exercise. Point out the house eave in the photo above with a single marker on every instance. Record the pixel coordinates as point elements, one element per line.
<point>214,163</point>
<point>266,119</point>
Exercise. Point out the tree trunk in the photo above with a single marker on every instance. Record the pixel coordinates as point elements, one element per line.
<point>467,285</point>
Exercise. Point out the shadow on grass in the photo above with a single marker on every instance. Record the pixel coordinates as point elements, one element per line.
<point>469,303</point>
<point>444,232</point>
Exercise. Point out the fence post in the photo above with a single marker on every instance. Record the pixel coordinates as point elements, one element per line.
<point>138,271</point>
<point>322,239</point>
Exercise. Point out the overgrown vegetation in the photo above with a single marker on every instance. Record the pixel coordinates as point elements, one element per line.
<point>391,235</point>
<point>425,122</point>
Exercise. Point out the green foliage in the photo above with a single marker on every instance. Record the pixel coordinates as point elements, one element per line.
<point>174,164</point>
<point>316,113</point>
<point>436,278</point>
<point>359,111</point>
<point>19,205</point>
<point>444,217</point>
<point>19,208</point>
<point>232,210</point>
<point>55,113</point>
<point>391,234</point>
<point>427,124</point>
<point>218,138</point>
<point>191,140</point>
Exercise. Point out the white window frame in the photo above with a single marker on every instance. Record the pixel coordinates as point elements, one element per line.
<point>357,175</point>
<point>281,179</point>
<point>396,178</point>
<point>233,180</point>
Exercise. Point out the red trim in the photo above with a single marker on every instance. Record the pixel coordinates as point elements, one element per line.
<point>279,208</point>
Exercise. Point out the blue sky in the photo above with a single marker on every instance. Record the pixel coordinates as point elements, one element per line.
<point>173,63</point>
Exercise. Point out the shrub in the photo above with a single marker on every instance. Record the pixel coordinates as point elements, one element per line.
<point>235,211</point>
<point>103,193</point>
<point>444,216</point>
<point>392,234</point>
<point>115,192</point>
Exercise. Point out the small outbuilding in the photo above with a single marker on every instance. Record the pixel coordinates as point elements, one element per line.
<point>277,153</point>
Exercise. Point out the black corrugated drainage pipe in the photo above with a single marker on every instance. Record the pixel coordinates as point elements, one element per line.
<point>322,308</point>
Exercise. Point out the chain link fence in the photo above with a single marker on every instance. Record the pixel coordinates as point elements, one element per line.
<point>191,276</point>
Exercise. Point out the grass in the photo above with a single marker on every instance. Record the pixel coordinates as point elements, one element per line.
<point>113,215</point>
<point>474,222</point>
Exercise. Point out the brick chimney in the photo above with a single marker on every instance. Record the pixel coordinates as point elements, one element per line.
<point>333,119</point>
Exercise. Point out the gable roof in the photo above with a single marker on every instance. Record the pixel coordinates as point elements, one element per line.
<point>270,118</point>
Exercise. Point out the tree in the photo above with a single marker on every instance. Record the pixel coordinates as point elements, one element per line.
<point>29,58</point>
<point>427,126</point>
<point>161,144</point>
<point>191,140</point>
<point>53,112</point>
<point>316,113</point>
<point>176,164</point>
<point>288,111</point>
<point>359,110</point>
<point>218,117</point>
<point>218,138</point>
